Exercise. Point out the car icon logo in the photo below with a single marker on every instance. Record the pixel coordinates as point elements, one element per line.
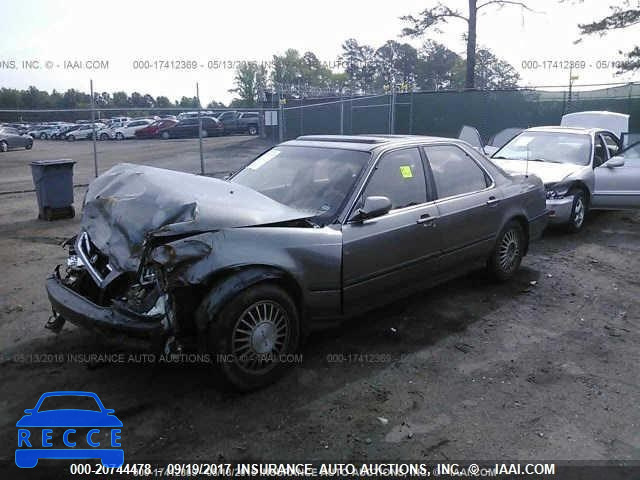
<point>92,432</point>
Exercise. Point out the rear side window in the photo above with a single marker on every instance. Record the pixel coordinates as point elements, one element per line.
<point>454,172</point>
<point>399,176</point>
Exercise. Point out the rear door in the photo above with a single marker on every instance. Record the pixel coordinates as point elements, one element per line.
<point>393,254</point>
<point>616,187</point>
<point>468,203</point>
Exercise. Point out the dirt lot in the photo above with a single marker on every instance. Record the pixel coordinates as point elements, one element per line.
<point>543,367</point>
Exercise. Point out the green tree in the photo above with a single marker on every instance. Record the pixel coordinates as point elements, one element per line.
<point>622,16</point>
<point>494,73</point>
<point>249,82</point>
<point>360,65</point>
<point>439,68</point>
<point>430,18</point>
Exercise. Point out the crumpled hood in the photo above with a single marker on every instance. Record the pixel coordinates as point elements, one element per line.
<point>548,172</point>
<point>129,202</point>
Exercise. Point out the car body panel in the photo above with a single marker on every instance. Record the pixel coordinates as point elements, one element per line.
<point>617,123</point>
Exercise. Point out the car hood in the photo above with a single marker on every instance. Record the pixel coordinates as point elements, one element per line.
<point>130,203</point>
<point>548,172</point>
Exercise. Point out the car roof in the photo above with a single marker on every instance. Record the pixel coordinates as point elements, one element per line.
<point>558,129</point>
<point>365,142</point>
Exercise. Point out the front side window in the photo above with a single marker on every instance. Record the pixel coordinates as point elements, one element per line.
<point>310,179</point>
<point>399,175</point>
<point>454,172</point>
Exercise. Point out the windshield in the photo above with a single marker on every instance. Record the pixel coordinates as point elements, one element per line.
<point>555,147</point>
<point>314,180</point>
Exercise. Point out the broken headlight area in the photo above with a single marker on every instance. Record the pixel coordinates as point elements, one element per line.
<point>138,295</point>
<point>556,191</point>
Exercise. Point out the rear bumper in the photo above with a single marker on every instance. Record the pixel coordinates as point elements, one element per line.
<point>560,210</point>
<point>82,312</point>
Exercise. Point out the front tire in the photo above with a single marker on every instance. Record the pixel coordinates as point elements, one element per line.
<point>119,136</point>
<point>71,138</point>
<point>508,252</point>
<point>166,135</point>
<point>104,136</point>
<point>253,333</point>
<point>4,146</point>
<point>28,146</point>
<point>43,136</point>
<point>253,130</point>
<point>578,211</point>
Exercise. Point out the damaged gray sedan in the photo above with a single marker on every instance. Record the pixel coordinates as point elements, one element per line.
<point>313,231</point>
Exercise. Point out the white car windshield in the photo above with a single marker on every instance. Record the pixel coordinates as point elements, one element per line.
<point>554,147</point>
<point>314,180</point>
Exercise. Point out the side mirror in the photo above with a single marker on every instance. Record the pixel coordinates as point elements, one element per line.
<point>373,207</point>
<point>615,162</point>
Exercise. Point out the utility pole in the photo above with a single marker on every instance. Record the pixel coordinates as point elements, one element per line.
<point>93,128</point>
<point>200,129</point>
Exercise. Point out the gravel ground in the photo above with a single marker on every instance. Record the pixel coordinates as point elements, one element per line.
<point>542,367</point>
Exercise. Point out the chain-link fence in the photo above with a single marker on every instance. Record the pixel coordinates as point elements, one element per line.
<point>442,113</point>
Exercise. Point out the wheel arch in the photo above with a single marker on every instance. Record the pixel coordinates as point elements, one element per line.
<point>228,283</point>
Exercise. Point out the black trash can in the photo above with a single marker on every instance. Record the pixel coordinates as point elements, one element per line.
<point>53,180</point>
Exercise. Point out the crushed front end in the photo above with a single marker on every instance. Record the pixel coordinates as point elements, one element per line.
<point>90,292</point>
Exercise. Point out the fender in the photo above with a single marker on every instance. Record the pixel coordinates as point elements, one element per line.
<point>229,285</point>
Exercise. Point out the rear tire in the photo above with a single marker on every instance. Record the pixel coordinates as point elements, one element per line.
<point>165,135</point>
<point>252,332</point>
<point>71,138</point>
<point>119,136</point>
<point>104,136</point>
<point>253,130</point>
<point>578,211</point>
<point>43,136</point>
<point>4,146</point>
<point>28,146</point>
<point>507,255</point>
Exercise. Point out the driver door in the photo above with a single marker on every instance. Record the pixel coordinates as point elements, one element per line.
<point>391,255</point>
<point>615,187</point>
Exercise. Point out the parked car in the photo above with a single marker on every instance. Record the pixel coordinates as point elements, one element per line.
<point>156,128</point>
<point>188,128</point>
<point>83,132</point>
<point>130,128</point>
<point>234,122</point>
<point>204,113</point>
<point>106,133</point>
<point>249,122</point>
<point>61,132</point>
<point>12,138</point>
<point>312,232</point>
<point>580,168</point>
<point>44,132</point>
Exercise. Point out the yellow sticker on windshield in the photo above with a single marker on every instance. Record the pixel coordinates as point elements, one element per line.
<point>405,171</point>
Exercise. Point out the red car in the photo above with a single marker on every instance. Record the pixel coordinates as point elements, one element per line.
<point>155,129</point>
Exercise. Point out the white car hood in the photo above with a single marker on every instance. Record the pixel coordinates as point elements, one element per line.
<point>548,172</point>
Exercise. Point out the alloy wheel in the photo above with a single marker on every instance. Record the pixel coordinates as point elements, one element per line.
<point>509,250</point>
<point>260,335</point>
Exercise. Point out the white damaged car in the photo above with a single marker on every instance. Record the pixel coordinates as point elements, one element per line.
<point>580,168</point>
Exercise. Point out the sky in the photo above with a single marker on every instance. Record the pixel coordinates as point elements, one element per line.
<point>128,34</point>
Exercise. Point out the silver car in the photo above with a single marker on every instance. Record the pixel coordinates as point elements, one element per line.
<point>313,231</point>
<point>580,167</point>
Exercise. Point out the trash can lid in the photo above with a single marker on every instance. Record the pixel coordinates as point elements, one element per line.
<point>62,161</point>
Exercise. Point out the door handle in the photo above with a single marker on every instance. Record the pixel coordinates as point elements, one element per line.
<point>493,201</point>
<point>427,220</point>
